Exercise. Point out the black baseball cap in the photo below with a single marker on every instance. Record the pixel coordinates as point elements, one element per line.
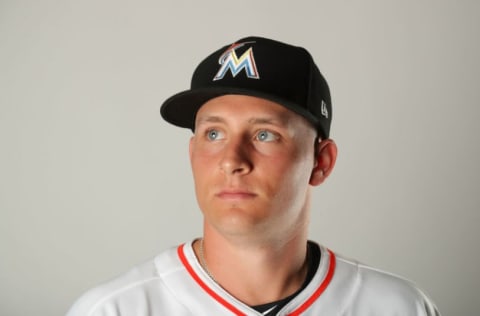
<point>259,67</point>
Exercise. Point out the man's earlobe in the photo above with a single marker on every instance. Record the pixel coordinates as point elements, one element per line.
<point>325,158</point>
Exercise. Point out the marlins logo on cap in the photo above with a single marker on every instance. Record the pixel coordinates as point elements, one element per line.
<point>230,61</point>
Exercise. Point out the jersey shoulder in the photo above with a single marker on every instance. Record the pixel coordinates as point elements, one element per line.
<point>131,288</point>
<point>377,292</point>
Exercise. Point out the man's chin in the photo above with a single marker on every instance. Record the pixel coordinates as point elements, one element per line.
<point>237,221</point>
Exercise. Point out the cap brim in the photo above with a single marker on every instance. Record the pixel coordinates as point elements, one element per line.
<point>181,108</point>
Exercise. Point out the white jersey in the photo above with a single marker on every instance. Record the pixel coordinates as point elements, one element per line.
<point>174,284</point>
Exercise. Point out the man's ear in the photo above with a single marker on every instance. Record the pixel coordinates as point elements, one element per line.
<point>190,147</point>
<point>325,157</point>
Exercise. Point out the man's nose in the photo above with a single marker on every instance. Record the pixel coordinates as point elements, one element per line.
<point>236,158</point>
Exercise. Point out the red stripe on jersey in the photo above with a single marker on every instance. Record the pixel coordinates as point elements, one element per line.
<point>205,287</point>
<point>321,288</point>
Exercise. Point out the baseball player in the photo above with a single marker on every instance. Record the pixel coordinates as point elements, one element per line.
<point>260,112</point>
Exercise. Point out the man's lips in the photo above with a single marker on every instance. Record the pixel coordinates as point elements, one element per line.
<point>235,194</point>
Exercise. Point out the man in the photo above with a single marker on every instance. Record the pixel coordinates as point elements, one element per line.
<point>260,111</point>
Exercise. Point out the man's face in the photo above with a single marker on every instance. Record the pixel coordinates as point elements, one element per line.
<point>252,161</point>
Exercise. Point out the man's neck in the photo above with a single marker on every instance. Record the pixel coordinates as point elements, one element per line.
<point>255,273</point>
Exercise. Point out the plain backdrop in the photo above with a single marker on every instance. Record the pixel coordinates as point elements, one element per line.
<point>92,181</point>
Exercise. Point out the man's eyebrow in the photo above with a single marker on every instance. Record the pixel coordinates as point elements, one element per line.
<point>209,119</point>
<point>277,120</point>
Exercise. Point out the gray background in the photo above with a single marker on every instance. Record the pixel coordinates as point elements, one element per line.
<point>93,182</point>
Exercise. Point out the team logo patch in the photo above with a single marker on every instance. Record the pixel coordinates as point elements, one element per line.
<point>229,61</point>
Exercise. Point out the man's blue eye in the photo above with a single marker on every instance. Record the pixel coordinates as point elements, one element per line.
<point>266,136</point>
<point>213,134</point>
